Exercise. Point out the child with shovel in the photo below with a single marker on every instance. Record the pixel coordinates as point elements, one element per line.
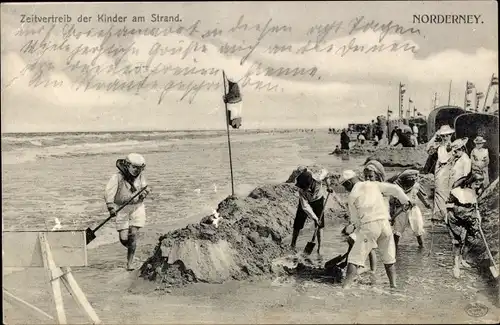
<point>408,181</point>
<point>312,200</point>
<point>120,189</point>
<point>462,220</point>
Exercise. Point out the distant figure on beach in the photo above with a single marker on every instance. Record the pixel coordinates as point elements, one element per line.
<point>383,140</point>
<point>393,132</point>
<point>344,140</point>
<point>408,181</point>
<point>462,221</point>
<point>414,129</point>
<point>369,132</point>
<point>440,145</point>
<point>480,159</point>
<point>121,187</point>
<point>337,150</point>
<point>403,137</point>
<point>361,138</point>
<point>312,200</point>
<point>414,134</point>
<point>370,216</point>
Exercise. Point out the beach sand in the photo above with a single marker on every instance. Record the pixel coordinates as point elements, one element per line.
<point>427,291</point>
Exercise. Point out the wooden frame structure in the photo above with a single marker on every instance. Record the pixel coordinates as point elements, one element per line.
<point>33,249</point>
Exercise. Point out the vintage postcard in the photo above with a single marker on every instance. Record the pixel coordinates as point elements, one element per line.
<point>250,162</point>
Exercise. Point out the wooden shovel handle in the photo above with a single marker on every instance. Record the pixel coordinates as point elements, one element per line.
<point>484,238</point>
<point>120,208</point>
<point>320,218</point>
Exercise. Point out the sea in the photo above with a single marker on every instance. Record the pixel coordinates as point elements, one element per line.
<point>63,175</point>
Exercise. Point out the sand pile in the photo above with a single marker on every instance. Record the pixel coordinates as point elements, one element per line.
<point>249,236</point>
<point>401,157</point>
<point>488,208</point>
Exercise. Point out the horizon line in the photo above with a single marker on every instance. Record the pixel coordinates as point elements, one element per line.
<point>173,130</point>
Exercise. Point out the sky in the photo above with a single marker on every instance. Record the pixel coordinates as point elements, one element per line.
<point>334,89</point>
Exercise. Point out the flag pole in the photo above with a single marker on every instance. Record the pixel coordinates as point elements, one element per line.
<point>465,95</point>
<point>449,94</point>
<point>409,107</point>
<point>487,92</point>
<point>387,123</point>
<point>227,128</point>
<point>399,100</point>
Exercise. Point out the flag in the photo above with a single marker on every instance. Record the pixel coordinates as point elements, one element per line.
<point>233,101</point>
<point>469,87</point>
<point>389,111</point>
<point>409,100</point>
<point>494,80</point>
<point>480,95</point>
<point>419,114</point>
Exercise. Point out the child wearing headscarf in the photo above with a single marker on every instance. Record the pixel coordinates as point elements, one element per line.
<point>373,171</point>
<point>408,181</point>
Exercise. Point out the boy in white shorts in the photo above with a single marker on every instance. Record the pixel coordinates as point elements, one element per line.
<point>370,217</point>
<point>121,187</point>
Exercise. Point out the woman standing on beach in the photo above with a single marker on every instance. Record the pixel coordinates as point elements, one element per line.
<point>121,187</point>
<point>344,140</point>
<point>440,144</point>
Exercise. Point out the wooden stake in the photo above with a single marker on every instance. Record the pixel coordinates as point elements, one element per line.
<point>78,295</point>
<point>58,275</point>
<point>55,281</point>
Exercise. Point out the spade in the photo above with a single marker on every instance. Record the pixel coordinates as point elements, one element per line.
<point>310,245</point>
<point>493,267</point>
<point>90,234</point>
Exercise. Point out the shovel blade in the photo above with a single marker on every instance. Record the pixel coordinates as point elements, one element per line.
<point>494,271</point>
<point>89,235</point>
<point>309,248</point>
<point>335,261</point>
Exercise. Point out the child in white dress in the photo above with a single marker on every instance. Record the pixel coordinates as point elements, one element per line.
<point>480,159</point>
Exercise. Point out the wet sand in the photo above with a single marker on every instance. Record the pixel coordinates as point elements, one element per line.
<point>427,291</point>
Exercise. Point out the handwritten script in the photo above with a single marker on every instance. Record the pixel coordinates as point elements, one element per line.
<point>188,57</point>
